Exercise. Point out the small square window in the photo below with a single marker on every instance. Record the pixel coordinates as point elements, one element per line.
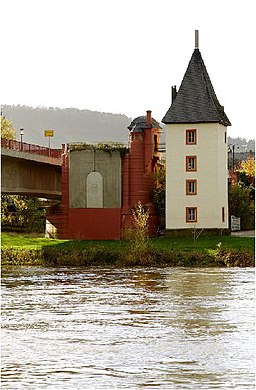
<point>191,214</point>
<point>191,163</point>
<point>191,138</point>
<point>191,187</point>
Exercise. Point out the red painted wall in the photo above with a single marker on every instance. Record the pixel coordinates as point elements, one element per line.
<point>137,183</point>
<point>95,224</point>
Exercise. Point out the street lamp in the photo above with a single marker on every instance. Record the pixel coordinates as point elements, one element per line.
<point>21,134</point>
<point>232,149</point>
<point>21,138</point>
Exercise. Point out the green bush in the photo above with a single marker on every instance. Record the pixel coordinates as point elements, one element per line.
<point>149,257</point>
<point>22,213</point>
<point>79,258</point>
<point>20,257</point>
<point>241,205</point>
<point>235,259</point>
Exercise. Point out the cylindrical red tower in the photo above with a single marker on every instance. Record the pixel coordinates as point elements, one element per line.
<point>138,166</point>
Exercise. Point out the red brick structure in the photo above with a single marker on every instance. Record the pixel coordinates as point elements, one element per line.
<point>70,221</point>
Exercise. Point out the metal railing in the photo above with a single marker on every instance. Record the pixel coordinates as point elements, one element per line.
<point>30,148</point>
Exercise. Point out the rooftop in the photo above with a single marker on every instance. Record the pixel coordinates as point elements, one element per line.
<point>196,101</point>
<point>140,123</point>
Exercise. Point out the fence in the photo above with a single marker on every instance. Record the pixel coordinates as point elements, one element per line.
<point>30,148</point>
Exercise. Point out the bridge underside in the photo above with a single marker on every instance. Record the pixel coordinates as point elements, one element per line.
<point>31,178</point>
<point>36,194</point>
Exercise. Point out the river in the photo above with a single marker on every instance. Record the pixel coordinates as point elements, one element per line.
<point>140,328</point>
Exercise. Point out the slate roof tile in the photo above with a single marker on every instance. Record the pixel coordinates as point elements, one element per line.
<point>196,100</point>
<point>140,123</point>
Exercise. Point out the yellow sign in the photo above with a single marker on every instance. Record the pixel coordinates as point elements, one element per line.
<point>48,133</point>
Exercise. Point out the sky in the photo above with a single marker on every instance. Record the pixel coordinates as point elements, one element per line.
<point>123,56</point>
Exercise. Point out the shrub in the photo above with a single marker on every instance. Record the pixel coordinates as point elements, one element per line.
<point>241,205</point>
<point>140,249</point>
<point>235,259</point>
<point>22,213</point>
<point>10,257</point>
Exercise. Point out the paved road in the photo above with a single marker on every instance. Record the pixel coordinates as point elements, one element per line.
<point>244,233</point>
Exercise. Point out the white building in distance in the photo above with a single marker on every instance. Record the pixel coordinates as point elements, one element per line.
<point>196,154</point>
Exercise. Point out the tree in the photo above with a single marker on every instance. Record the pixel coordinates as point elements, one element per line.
<point>246,175</point>
<point>241,205</point>
<point>248,167</point>
<point>158,194</point>
<point>7,129</point>
<point>22,213</point>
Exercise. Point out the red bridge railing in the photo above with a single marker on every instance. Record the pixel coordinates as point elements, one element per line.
<point>30,148</point>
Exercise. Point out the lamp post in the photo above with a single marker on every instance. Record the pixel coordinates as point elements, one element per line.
<point>21,138</point>
<point>232,149</point>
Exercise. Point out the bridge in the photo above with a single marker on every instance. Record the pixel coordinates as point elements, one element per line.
<point>31,170</point>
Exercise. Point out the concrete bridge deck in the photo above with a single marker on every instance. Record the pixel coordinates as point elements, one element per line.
<point>30,170</point>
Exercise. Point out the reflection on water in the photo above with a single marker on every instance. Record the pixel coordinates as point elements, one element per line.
<point>171,328</point>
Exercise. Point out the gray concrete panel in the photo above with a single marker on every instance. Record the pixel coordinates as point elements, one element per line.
<point>107,164</point>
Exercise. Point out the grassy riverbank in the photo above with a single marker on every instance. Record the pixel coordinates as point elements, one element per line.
<point>18,249</point>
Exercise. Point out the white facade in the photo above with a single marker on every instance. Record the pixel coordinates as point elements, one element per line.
<point>210,201</point>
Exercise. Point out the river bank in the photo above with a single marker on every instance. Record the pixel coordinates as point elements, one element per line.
<point>226,251</point>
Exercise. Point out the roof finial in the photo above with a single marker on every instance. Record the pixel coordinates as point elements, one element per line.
<point>196,39</point>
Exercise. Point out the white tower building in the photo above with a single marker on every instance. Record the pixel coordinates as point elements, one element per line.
<point>196,154</point>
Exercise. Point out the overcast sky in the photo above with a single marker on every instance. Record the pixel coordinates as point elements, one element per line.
<point>123,56</point>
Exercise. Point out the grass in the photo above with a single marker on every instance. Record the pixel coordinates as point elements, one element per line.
<point>30,249</point>
<point>27,241</point>
<point>204,244</point>
<point>186,244</point>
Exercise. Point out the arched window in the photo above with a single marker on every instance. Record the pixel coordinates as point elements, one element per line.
<point>94,190</point>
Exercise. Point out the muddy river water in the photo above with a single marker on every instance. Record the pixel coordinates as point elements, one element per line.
<point>139,328</point>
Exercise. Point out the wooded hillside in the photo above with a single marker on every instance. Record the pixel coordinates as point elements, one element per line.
<point>74,125</point>
<point>69,125</point>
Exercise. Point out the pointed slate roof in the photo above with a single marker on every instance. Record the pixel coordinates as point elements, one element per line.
<point>196,100</point>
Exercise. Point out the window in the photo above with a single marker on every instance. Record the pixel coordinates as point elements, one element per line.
<point>191,137</point>
<point>155,143</point>
<point>225,137</point>
<point>191,214</point>
<point>191,187</point>
<point>191,163</point>
<point>223,214</point>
